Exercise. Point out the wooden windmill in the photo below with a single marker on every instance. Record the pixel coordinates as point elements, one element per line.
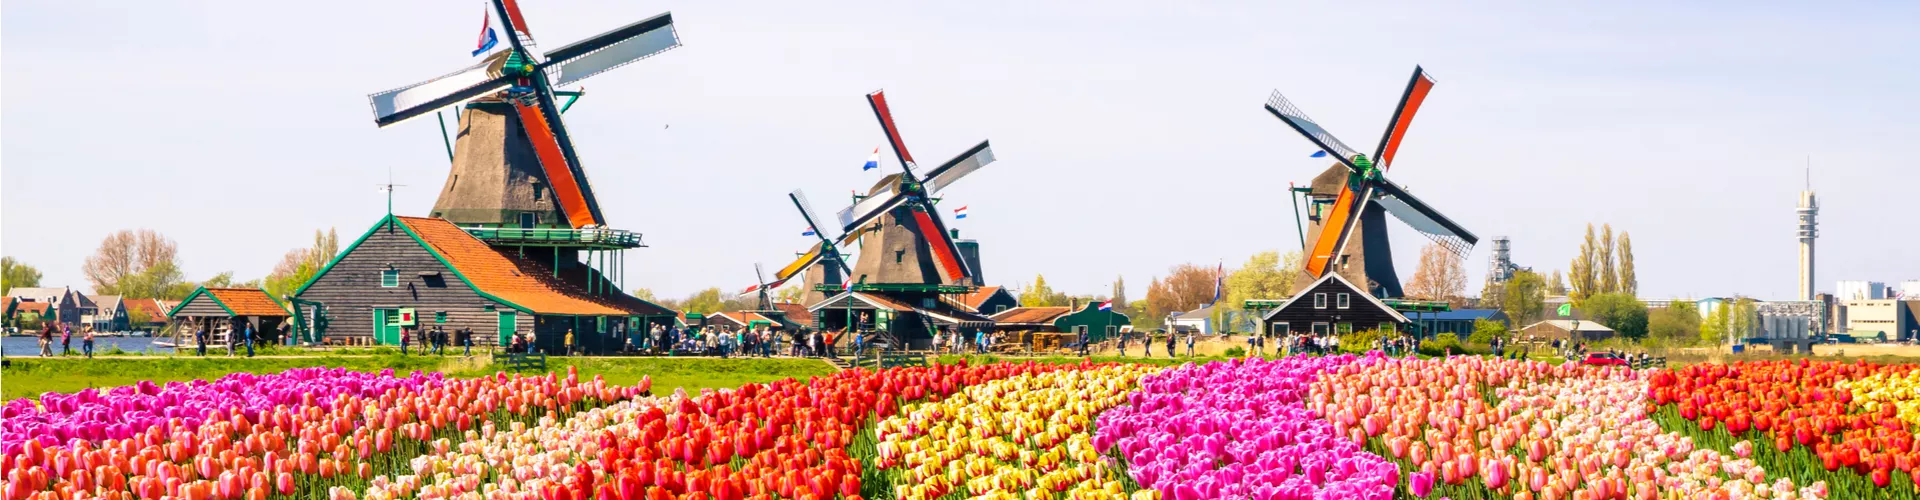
<point>514,163</point>
<point>822,264</point>
<point>908,242</point>
<point>1360,192</point>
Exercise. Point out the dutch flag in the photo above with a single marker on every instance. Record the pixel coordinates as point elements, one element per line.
<point>487,37</point>
<point>1106,306</point>
<point>1318,154</point>
<point>873,160</point>
<point>960,213</point>
<point>808,232</point>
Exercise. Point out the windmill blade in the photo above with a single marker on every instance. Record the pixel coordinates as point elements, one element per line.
<point>884,196</point>
<point>757,274</point>
<point>801,264</point>
<point>946,254</point>
<point>472,82</point>
<point>1416,93</point>
<point>812,217</point>
<point>1424,218</point>
<point>1287,112</point>
<point>1335,227</point>
<point>517,30</point>
<point>958,167</point>
<point>612,49</point>
<point>878,99</point>
<point>569,192</point>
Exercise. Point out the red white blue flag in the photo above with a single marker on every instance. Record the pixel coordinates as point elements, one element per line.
<point>960,213</point>
<point>1106,306</point>
<point>487,37</point>
<point>873,160</point>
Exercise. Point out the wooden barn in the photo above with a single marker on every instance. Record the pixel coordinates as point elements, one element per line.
<point>222,311</point>
<point>450,279</point>
<point>1332,305</point>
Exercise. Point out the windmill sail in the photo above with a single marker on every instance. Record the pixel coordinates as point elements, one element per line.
<point>1430,222</point>
<point>959,166</point>
<point>1416,93</point>
<point>1287,112</point>
<point>612,49</point>
<point>813,216</point>
<point>472,82</point>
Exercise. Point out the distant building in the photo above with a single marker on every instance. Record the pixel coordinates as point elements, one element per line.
<point>109,314</point>
<point>1860,290</point>
<point>1459,322</point>
<point>1571,330</point>
<point>146,314</point>
<point>1885,316</point>
<point>1909,290</point>
<point>1198,320</point>
<point>63,304</point>
<point>1789,325</point>
<point>986,300</point>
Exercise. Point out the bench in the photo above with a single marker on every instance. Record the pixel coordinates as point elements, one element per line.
<point>520,361</point>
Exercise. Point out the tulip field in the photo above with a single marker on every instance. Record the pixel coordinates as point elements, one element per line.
<point>1302,427</point>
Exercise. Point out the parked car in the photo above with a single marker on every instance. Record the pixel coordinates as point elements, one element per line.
<point>1603,359</point>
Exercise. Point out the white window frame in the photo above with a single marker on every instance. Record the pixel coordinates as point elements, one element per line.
<point>1320,300</point>
<point>1279,328</point>
<point>1343,301</point>
<point>1322,328</point>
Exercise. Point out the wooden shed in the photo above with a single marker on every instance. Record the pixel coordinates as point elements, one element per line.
<point>222,311</point>
<point>1331,305</point>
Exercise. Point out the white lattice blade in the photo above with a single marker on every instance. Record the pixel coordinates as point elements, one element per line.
<point>1423,218</point>
<point>430,94</point>
<point>611,50</point>
<point>1280,106</point>
<point>959,167</point>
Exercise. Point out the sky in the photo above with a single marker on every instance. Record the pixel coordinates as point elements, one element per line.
<point>1130,135</point>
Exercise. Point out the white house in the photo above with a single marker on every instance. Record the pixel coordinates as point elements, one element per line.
<point>1198,319</point>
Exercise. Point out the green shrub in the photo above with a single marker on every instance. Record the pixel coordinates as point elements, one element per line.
<point>1361,341</point>
<point>1440,344</point>
<point>1236,352</point>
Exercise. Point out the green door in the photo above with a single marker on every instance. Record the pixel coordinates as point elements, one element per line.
<point>509,321</point>
<point>386,326</point>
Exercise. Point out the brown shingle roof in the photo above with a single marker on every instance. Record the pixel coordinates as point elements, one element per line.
<point>1031,315</point>
<point>497,275</point>
<point>37,307</point>
<point>247,301</point>
<point>795,311</point>
<point>740,318</point>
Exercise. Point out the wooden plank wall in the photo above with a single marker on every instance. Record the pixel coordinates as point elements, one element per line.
<point>351,290</point>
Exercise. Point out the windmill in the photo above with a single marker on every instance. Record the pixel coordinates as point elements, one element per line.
<point>762,286</point>
<point>911,224</point>
<point>826,251</point>
<point>492,184</point>
<point>1360,192</point>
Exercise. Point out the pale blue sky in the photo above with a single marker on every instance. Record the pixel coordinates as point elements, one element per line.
<point>237,128</point>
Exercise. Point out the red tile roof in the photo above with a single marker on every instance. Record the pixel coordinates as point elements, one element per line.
<point>795,311</point>
<point>247,301</point>
<point>741,318</point>
<point>153,307</point>
<point>6,303</point>
<point>496,274</point>
<point>37,307</point>
<point>1031,315</point>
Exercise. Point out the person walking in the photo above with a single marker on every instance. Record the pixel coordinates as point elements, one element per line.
<point>46,340</point>
<point>1170,351</point>
<point>1190,344</point>
<point>566,347</point>
<point>247,336</point>
<point>66,339</point>
<point>466,340</point>
<point>406,337</point>
<point>200,336</point>
<point>86,341</point>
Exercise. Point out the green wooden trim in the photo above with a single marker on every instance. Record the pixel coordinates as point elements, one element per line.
<point>343,254</point>
<point>202,292</point>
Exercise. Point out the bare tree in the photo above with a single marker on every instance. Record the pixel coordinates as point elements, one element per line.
<point>1441,276</point>
<point>138,264</point>
<point>1609,277</point>
<point>1629,284</point>
<point>1583,275</point>
<point>1557,285</point>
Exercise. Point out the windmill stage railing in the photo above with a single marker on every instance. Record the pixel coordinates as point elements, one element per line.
<point>590,237</point>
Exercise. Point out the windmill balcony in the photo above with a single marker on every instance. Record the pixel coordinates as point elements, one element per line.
<point>594,238</point>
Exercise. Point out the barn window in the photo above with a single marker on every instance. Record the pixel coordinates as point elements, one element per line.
<point>1320,328</point>
<point>1345,329</point>
<point>439,316</point>
<point>1319,301</point>
<point>1343,301</point>
<point>999,308</point>
<point>389,278</point>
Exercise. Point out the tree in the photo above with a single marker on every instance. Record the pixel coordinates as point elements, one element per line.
<point>1713,331</point>
<point>1609,278</point>
<point>1265,276</point>
<point>1187,287</point>
<point>1629,284</point>
<point>1679,322</point>
<point>1583,274</point>
<point>299,265</point>
<point>1485,330</point>
<point>1557,285</point>
<point>28,321</point>
<point>1041,295</point>
<point>706,301</point>
<point>135,264</point>
<point>791,294</point>
<point>1621,312</point>
<point>1120,293</point>
<point>643,293</point>
<point>1490,292</point>
<point>1525,297</point>
<point>1441,276</point>
<point>14,274</point>
<point>1740,323</point>
<point>139,316</point>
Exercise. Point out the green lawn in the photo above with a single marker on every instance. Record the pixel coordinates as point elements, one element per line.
<point>29,377</point>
